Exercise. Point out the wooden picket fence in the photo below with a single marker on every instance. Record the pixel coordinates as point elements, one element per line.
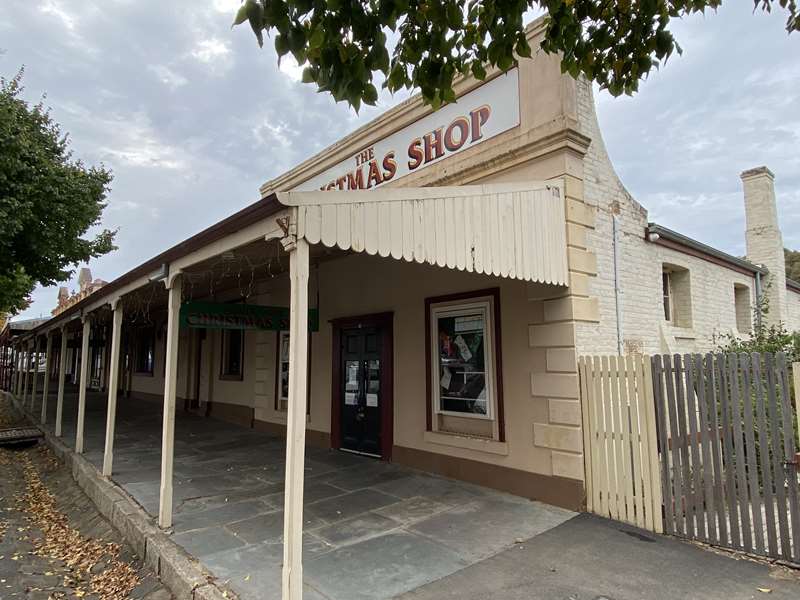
<point>621,455</point>
<point>728,456</point>
<point>698,446</point>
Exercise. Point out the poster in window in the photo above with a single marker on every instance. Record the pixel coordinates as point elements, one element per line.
<point>462,369</point>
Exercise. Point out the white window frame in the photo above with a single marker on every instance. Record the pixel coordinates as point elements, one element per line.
<point>669,295</point>
<point>455,309</point>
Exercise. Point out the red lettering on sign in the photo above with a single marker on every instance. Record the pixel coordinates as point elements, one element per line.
<point>374,177</point>
<point>415,154</point>
<point>479,116</point>
<point>433,145</point>
<point>390,165</point>
<point>460,124</point>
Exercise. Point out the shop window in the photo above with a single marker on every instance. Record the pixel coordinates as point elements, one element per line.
<point>677,295</point>
<point>283,371</point>
<point>741,298</point>
<point>464,373</point>
<point>145,351</point>
<point>232,354</point>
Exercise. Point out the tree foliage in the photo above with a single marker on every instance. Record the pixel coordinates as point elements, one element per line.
<point>792,264</point>
<point>48,201</point>
<point>343,43</point>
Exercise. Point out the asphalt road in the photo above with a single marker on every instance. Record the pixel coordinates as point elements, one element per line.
<point>589,558</point>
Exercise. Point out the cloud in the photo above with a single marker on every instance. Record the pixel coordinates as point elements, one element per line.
<point>726,105</point>
<point>192,116</point>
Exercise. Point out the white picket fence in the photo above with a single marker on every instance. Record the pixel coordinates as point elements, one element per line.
<point>621,449</point>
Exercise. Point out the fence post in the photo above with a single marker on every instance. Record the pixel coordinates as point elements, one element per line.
<point>796,377</point>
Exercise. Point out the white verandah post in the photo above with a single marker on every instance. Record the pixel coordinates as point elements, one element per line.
<point>84,373</point>
<point>35,373</point>
<point>15,372</point>
<point>113,377</point>
<point>62,375</point>
<point>173,284</point>
<point>48,352</point>
<point>26,367</point>
<point>296,419</point>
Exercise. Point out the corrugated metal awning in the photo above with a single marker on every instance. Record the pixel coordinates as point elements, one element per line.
<point>516,231</point>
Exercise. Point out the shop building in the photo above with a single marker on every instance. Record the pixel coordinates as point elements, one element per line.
<point>419,292</point>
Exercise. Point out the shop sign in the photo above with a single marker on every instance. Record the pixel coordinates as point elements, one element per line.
<point>213,315</point>
<point>476,117</point>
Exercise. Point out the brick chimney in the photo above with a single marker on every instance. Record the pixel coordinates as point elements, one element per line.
<point>763,237</point>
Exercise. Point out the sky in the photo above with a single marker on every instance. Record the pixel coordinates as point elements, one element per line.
<point>192,117</point>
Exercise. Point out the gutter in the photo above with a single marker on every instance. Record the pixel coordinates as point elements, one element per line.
<point>654,233</point>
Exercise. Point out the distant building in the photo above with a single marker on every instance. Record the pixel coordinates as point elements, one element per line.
<point>86,286</point>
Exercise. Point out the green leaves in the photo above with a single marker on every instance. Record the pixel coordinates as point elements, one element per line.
<point>344,44</point>
<point>48,201</point>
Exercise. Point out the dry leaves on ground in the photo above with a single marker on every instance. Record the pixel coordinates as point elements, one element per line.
<point>94,565</point>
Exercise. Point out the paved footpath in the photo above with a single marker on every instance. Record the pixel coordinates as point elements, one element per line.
<point>53,542</point>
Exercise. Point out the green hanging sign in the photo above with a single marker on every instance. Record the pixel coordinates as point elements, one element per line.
<point>214,315</point>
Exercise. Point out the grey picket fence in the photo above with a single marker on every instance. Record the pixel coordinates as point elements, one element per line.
<point>726,441</point>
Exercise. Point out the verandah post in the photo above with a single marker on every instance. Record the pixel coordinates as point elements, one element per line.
<point>113,377</point>
<point>35,372</point>
<point>62,374</point>
<point>26,364</point>
<point>173,284</point>
<point>48,352</point>
<point>84,372</point>
<point>296,419</point>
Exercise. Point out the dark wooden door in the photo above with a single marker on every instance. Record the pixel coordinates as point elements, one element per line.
<point>361,394</point>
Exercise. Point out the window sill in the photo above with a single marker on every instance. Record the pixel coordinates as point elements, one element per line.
<point>142,374</point>
<point>467,442</point>
<point>231,377</point>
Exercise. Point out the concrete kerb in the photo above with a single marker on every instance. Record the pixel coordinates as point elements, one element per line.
<point>181,573</point>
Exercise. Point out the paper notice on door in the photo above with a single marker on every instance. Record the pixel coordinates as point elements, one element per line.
<point>372,399</point>
<point>445,380</point>
<point>350,398</point>
<point>463,348</point>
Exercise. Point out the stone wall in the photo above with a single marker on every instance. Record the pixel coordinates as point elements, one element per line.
<point>644,327</point>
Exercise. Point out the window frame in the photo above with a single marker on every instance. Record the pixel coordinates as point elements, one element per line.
<point>223,375</point>
<point>150,332</point>
<point>667,296</point>
<point>467,302</point>
<point>280,400</point>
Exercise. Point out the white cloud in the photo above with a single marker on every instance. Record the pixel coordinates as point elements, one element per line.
<point>168,77</point>
<point>211,50</point>
<point>55,8</point>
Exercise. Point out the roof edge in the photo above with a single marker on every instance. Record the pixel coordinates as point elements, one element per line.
<point>678,238</point>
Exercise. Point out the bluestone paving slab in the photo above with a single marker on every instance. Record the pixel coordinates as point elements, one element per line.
<point>220,515</point>
<point>492,523</point>
<point>268,527</point>
<point>412,510</point>
<point>358,528</point>
<point>349,505</point>
<point>380,567</point>
<point>207,541</point>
